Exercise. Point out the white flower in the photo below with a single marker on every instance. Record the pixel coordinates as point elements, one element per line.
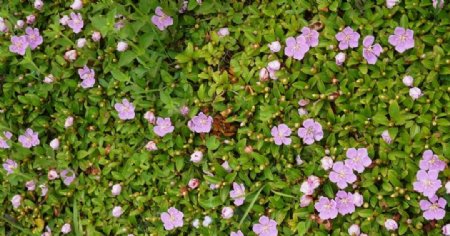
<point>390,224</point>
<point>68,122</point>
<point>116,189</point>
<point>354,230</point>
<point>340,58</point>
<point>207,221</point>
<point>54,144</point>
<point>16,200</point>
<point>391,3</point>
<point>327,162</point>
<point>66,228</point>
<point>415,93</point>
<point>117,211</point>
<point>81,42</point>
<point>358,199</point>
<point>408,80</point>
<point>275,46</point>
<point>196,223</point>
<point>447,187</point>
<point>227,212</point>
<point>77,5</point>
<point>122,46</point>
<point>223,32</point>
<point>197,157</point>
<point>49,79</point>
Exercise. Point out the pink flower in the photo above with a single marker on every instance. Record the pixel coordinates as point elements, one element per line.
<point>31,19</point>
<point>272,68</point>
<point>265,227</point>
<point>54,144</point>
<point>296,47</point>
<point>69,122</point>
<point>10,165</point>
<point>163,126</point>
<point>197,157</point>
<point>305,200</point>
<point>193,183</point>
<point>408,80</point>
<point>342,175</point>
<point>34,38</point>
<point>20,24</point>
<point>172,219</point>
<point>29,139</point>
<point>227,212</point>
<point>358,199</point>
<point>3,26</point>
<point>238,194</point>
<point>391,3</point>
<point>308,186</point>
<point>87,76</point>
<point>76,22</point>
<point>238,233</point>
<point>303,102</point>
<point>347,38</point>
<point>150,117</point>
<point>184,110</point>
<point>52,175</point>
<point>201,123</point>
<point>223,32</point>
<point>281,134</point>
<point>327,208</point>
<point>386,137</point>
<point>19,44</point>
<point>38,4</point>
<point>263,74</point>
<point>125,109</point>
<point>117,211</point>
<point>151,146</point>
<point>344,203</point>
<point>358,159</point>
<point>402,39</point>
<point>77,5</point>
<point>447,187</point>
<point>327,163</point>
<point>310,132</point>
<point>116,189</point>
<point>311,36</point>
<point>30,185</point>
<point>415,93</point>
<point>354,230</point>
<point>275,46</point>
<point>434,208</point>
<point>430,161</point>
<point>390,225</point>
<point>68,176</point>
<point>64,20</point>
<point>371,51</point>
<point>66,228</point>
<point>161,20</point>
<point>96,36</point>
<point>122,46</point>
<point>3,143</point>
<point>16,201</point>
<point>340,58</point>
<point>49,79</point>
<point>446,230</point>
<point>440,2</point>
<point>71,55</point>
<point>81,42</point>
<point>427,183</point>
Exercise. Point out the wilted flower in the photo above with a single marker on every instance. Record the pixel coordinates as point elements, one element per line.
<point>31,19</point>
<point>38,4</point>
<point>263,74</point>
<point>354,230</point>
<point>390,224</point>
<point>71,55</point>
<point>427,183</point>
<point>358,159</point>
<point>52,174</point>
<point>76,22</point>
<point>347,38</point>
<point>10,165</point>
<point>68,176</point>
<point>29,139</point>
<point>3,27</point>
<point>116,189</point>
<point>173,218</point>
<point>296,47</point>
<point>161,20</point>
<point>184,7</point>
<point>440,2</point>
<point>281,134</point>
<point>87,76</point>
<point>49,79</point>
<point>44,189</point>
<point>125,109</point>
<point>430,161</point>
<point>238,194</point>
<point>151,146</point>
<point>340,58</point>
<point>226,166</point>
<point>305,200</point>
<point>69,122</point>
<point>96,36</point>
<point>342,175</point>
<point>386,137</point>
<point>308,186</point>
<point>201,123</point>
<point>197,157</point>
<point>298,160</point>
<point>66,228</point>
<point>207,221</point>
<point>272,68</point>
<point>371,51</point>
<point>30,185</point>
<point>20,24</point>
<point>275,46</point>
<point>326,162</point>
<point>265,227</point>
<point>344,202</point>
<point>193,183</point>
<point>415,93</point>
<point>117,211</point>
<point>77,5</point>
<point>223,32</point>
<point>327,208</point>
<point>19,44</point>
<point>311,36</point>
<point>16,200</point>
<point>81,42</point>
<point>408,81</point>
<point>34,38</point>
<point>150,117</point>
<point>310,132</point>
<point>402,39</point>
<point>434,208</point>
<point>163,126</point>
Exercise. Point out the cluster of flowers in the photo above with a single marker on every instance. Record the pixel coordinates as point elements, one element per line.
<point>31,39</point>
<point>428,184</point>
<point>414,92</point>
<point>309,133</point>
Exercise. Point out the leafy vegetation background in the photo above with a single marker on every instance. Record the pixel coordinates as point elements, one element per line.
<point>189,64</point>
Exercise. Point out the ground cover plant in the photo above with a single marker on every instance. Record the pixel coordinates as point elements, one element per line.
<point>224,117</point>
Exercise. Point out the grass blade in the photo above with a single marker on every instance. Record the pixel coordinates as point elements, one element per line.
<point>251,205</point>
